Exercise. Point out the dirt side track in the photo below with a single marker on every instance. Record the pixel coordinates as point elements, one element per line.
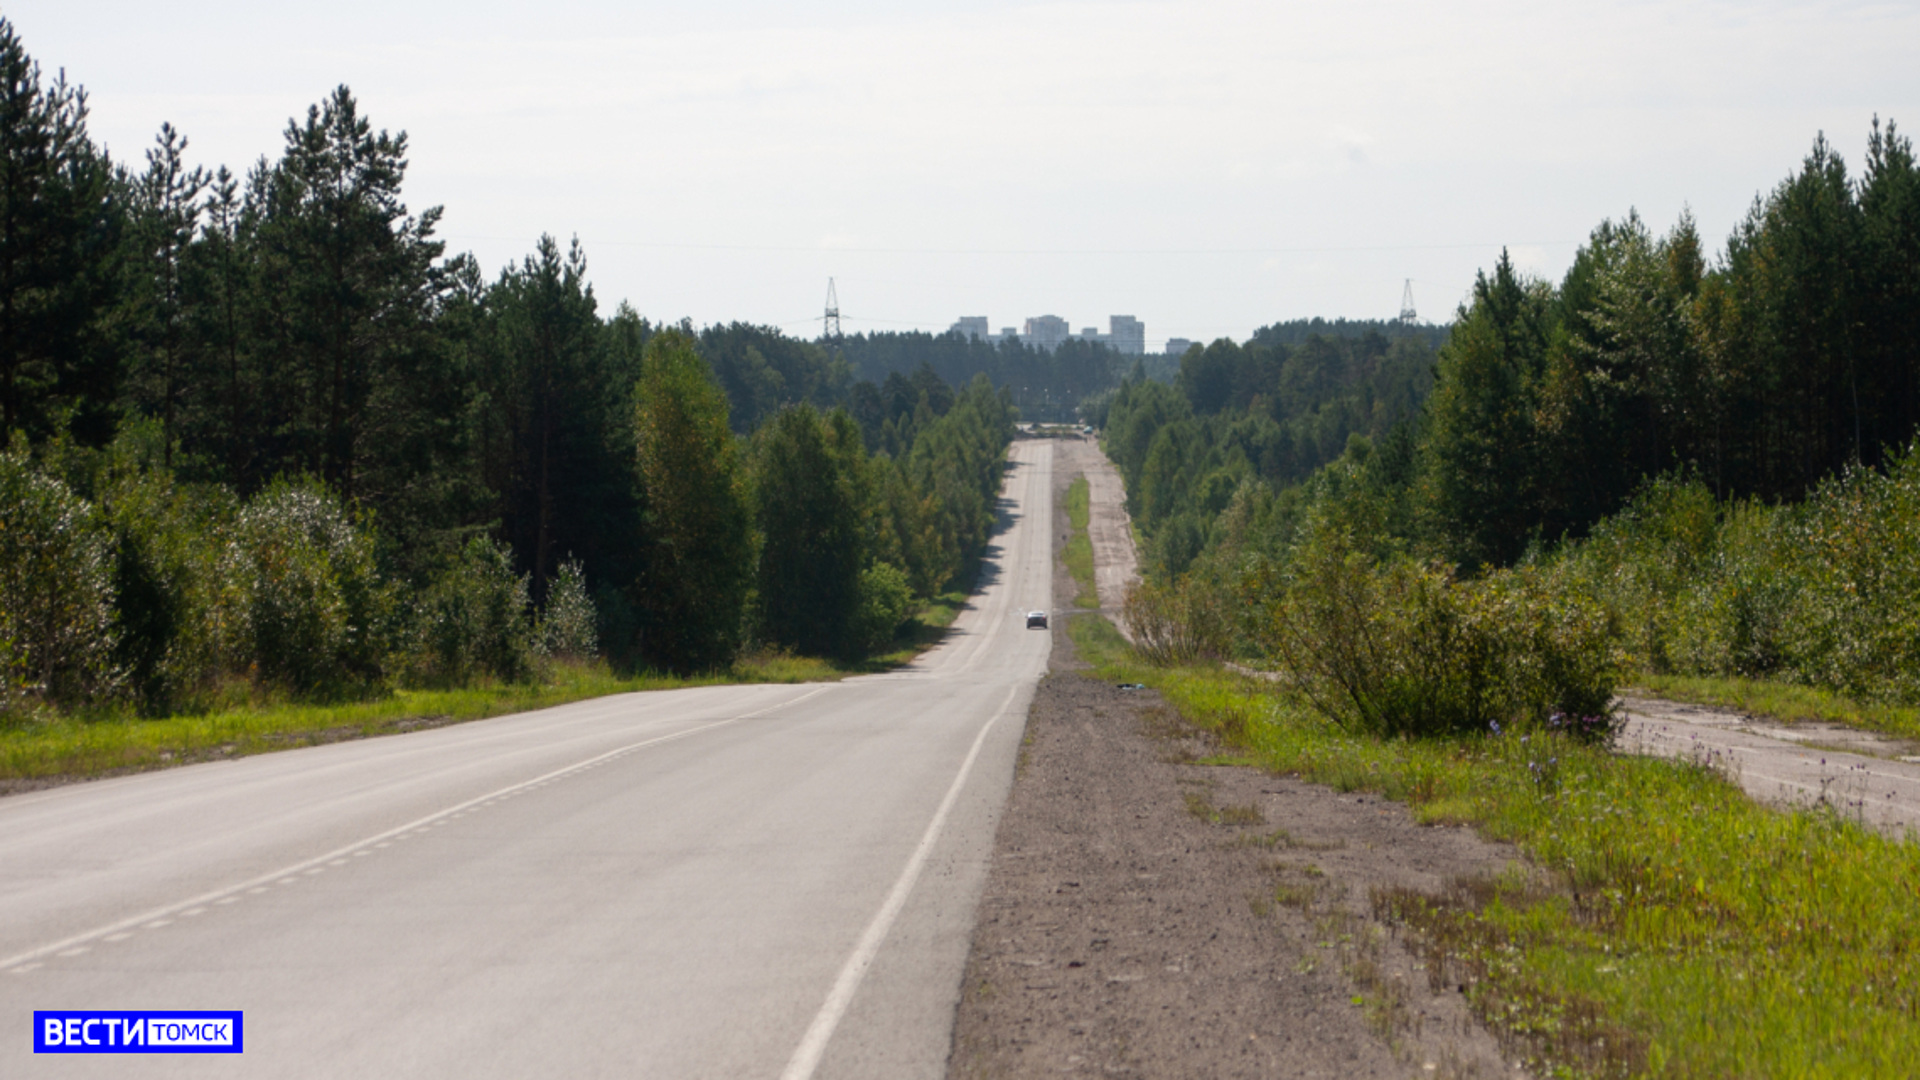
<point>1150,916</point>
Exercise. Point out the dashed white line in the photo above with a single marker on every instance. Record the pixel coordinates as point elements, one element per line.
<point>287,876</point>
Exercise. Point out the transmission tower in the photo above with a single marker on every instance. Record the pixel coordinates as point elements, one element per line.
<point>830,328</point>
<point>1407,314</point>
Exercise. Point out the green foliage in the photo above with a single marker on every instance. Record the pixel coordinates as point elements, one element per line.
<point>808,502</point>
<point>1822,593</point>
<point>1078,552</point>
<point>56,589</point>
<point>1177,623</point>
<point>885,602</point>
<point>1044,385</point>
<point>957,459</point>
<point>569,624</point>
<point>1271,411</point>
<point>1483,454</point>
<point>168,584</point>
<point>1401,648</point>
<point>59,232</point>
<point>306,607</point>
<point>699,566</point>
<point>476,621</point>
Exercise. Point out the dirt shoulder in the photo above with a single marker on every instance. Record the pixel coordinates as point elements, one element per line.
<point>1874,779</point>
<point>1115,562</point>
<point>1150,915</point>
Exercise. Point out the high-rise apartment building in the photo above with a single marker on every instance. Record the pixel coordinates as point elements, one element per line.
<point>1125,334</point>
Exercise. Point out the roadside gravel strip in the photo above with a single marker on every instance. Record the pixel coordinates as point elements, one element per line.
<point>1149,915</point>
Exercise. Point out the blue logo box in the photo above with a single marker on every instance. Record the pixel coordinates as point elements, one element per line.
<point>137,1031</point>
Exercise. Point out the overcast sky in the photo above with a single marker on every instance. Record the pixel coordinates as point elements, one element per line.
<point>1206,167</point>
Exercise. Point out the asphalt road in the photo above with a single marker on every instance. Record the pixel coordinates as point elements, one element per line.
<point>751,881</point>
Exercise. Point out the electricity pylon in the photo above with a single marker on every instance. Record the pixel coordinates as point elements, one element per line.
<point>830,328</point>
<point>1407,314</point>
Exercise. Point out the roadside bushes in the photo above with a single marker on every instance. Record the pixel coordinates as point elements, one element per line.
<point>310,611</point>
<point>885,601</point>
<point>1176,623</point>
<point>56,591</point>
<point>1404,648</point>
<point>568,628</point>
<point>476,621</point>
<point>1824,593</point>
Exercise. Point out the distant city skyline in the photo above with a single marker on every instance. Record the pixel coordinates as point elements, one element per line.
<point>1125,334</point>
<point>1215,166</point>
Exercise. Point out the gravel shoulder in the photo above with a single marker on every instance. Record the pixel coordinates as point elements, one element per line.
<point>1150,914</point>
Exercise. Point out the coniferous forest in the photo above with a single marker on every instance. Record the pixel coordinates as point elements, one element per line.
<point>1669,461</point>
<point>264,429</point>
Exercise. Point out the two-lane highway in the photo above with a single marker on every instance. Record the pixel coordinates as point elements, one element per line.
<point>747,881</point>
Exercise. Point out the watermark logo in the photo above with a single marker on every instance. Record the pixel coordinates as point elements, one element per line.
<point>165,1031</point>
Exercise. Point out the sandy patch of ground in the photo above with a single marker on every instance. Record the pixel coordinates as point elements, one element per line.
<point>1873,778</point>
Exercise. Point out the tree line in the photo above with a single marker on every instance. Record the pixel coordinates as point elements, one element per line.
<point>1786,359</point>
<point>1267,412</point>
<point>1663,460</point>
<point>263,428</point>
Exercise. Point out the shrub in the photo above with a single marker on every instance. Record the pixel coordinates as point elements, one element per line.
<point>167,545</point>
<point>1177,623</point>
<point>56,588</point>
<point>307,608</point>
<point>568,625</point>
<point>1402,648</point>
<point>885,601</point>
<point>476,620</point>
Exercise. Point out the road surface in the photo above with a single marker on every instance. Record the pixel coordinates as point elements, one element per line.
<point>747,881</point>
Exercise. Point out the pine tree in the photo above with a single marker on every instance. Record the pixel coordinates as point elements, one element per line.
<point>348,285</point>
<point>58,240</point>
<point>543,444</point>
<point>165,222</point>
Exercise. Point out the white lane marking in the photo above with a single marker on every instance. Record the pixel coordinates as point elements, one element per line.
<point>152,919</point>
<point>806,1056</point>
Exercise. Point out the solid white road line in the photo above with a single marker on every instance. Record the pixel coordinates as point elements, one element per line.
<point>806,1056</point>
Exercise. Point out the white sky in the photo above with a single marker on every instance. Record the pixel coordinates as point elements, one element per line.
<point>1207,167</point>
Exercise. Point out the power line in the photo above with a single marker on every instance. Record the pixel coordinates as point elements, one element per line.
<point>1097,252</point>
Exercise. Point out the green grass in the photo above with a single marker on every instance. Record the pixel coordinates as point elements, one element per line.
<point>1783,701</point>
<point>1664,923</point>
<point>74,746</point>
<point>81,746</point>
<point>1078,554</point>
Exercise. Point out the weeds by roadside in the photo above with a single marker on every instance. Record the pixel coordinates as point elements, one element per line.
<point>1784,701</point>
<point>1671,919</point>
<point>1078,554</point>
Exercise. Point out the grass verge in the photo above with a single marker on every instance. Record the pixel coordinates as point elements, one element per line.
<point>67,747</point>
<point>1783,701</point>
<point>64,748</point>
<point>1078,554</point>
<point>1665,924</point>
